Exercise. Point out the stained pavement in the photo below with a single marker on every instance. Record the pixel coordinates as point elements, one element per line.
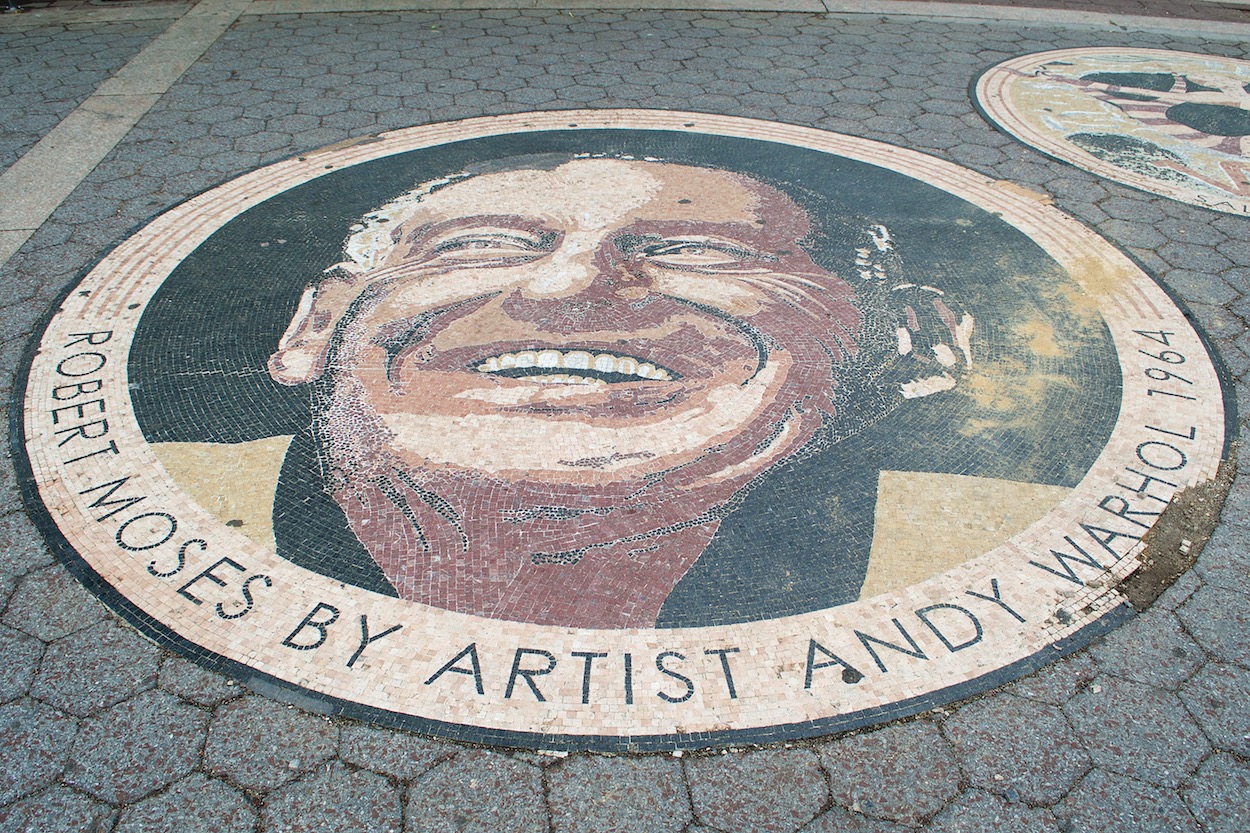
<point>1148,729</point>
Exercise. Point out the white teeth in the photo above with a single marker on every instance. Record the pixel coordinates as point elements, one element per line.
<point>573,360</point>
<point>565,379</point>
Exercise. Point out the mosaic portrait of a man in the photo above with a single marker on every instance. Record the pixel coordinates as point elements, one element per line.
<point>542,386</point>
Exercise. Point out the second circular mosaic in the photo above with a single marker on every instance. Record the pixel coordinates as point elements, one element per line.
<point>1171,123</point>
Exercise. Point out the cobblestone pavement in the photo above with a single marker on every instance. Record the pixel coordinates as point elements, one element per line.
<point>1146,730</point>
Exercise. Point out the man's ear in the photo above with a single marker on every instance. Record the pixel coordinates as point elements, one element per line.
<point>933,334</point>
<point>934,340</point>
<point>303,348</point>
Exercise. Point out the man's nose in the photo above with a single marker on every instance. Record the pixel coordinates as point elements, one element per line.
<point>585,262</point>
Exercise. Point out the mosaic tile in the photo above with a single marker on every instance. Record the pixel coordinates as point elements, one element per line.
<point>621,430</point>
<point>1171,123</point>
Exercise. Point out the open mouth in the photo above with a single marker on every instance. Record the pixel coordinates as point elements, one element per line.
<point>546,365</point>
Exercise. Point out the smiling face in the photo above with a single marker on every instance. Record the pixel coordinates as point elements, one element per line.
<point>573,368</point>
<point>601,321</point>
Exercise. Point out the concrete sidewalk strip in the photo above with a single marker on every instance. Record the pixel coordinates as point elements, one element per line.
<point>1039,16</point>
<point>38,182</point>
<point>329,6</point>
<point>86,15</point>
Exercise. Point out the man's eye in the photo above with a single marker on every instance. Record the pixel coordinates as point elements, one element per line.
<point>474,246</point>
<point>702,255</point>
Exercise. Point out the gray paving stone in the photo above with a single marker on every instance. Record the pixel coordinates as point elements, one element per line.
<point>1198,262</point>
<point>839,820</point>
<point>1196,277</point>
<point>1219,620</point>
<point>21,547</point>
<point>47,76</point>
<point>905,772</point>
<point>976,812</point>
<point>1019,748</point>
<point>196,804</point>
<point>767,790</point>
<point>260,744</point>
<point>96,667</point>
<point>1151,648</point>
<point>1107,803</point>
<point>477,790</point>
<point>1175,596</point>
<point>37,740</point>
<point>1219,794</point>
<point>1225,561</point>
<point>1137,730</point>
<point>1218,697</point>
<point>195,684</point>
<point>21,655</point>
<point>334,799</point>
<point>1133,210</point>
<point>50,603</point>
<point>57,810</point>
<point>136,747</point>
<point>400,755</point>
<point>590,794</point>
<point>1130,233</point>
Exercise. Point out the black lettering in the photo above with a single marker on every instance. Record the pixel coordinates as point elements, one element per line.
<point>588,657</point>
<point>1108,535</point>
<point>78,388</point>
<point>211,576</point>
<point>182,559</point>
<point>81,431</point>
<point>1122,509</point>
<point>850,674</point>
<point>79,410</point>
<point>924,613</point>
<point>997,599</point>
<point>528,674</point>
<point>366,640</point>
<point>452,666</point>
<point>1193,432</point>
<point>1180,455</point>
<point>111,448</point>
<point>103,360</point>
<point>90,338</point>
<point>1147,479</point>
<point>659,663</point>
<point>322,627</point>
<point>104,500</point>
<point>167,519</point>
<point>1156,335</point>
<point>724,653</point>
<point>1063,558</point>
<point>916,651</point>
<point>248,601</point>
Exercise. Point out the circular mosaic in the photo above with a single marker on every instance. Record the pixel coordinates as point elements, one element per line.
<point>615,429</point>
<point>1171,123</point>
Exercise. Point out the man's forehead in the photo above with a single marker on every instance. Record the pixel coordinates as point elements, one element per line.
<point>592,193</point>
